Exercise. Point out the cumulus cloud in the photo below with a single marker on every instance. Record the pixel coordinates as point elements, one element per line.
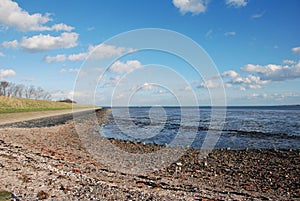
<point>100,52</point>
<point>275,72</point>
<point>47,42</point>
<point>78,57</point>
<point>106,51</point>
<point>230,73</point>
<point>236,3</point>
<point>296,50</point>
<point>10,44</point>
<point>6,72</point>
<point>233,79</point>
<point>213,84</point>
<point>60,27</point>
<point>193,6</point>
<point>57,58</point>
<point>260,76</point>
<point>12,15</point>
<point>129,66</point>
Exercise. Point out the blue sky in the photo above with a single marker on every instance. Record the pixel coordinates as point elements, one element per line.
<point>254,44</point>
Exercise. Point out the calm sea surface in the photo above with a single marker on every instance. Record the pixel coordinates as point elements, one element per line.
<point>235,127</point>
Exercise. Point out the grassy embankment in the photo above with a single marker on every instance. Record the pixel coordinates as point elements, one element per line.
<point>11,105</point>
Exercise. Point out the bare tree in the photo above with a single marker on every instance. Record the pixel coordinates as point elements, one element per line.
<point>30,92</point>
<point>19,90</point>
<point>4,85</point>
<point>10,89</point>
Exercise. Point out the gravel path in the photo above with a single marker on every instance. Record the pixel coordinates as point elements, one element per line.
<point>51,163</point>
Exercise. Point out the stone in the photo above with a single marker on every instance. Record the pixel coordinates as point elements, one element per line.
<point>42,195</point>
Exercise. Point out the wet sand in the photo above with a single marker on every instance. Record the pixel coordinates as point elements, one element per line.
<point>38,162</point>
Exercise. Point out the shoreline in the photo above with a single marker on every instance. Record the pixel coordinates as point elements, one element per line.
<point>51,162</point>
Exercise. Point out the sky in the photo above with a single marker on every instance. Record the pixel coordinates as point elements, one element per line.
<point>252,46</point>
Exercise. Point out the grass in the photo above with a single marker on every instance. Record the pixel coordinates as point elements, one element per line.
<point>5,195</point>
<point>12,105</point>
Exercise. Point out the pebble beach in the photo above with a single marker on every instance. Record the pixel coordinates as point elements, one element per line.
<point>46,160</point>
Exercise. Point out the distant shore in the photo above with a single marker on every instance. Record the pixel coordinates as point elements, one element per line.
<point>46,160</point>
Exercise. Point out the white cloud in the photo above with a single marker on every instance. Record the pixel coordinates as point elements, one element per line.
<point>70,70</point>
<point>230,33</point>
<point>91,28</point>
<point>12,15</point>
<point>289,62</point>
<point>251,80</point>
<point>77,57</point>
<point>255,95</point>
<point>230,73</point>
<point>112,82</point>
<point>47,42</point>
<point>193,6</point>
<point>187,88</point>
<point>61,95</point>
<point>99,52</point>
<point>10,44</point>
<point>296,49</point>
<point>57,58</point>
<point>275,72</point>
<point>260,69</point>
<point>232,78</point>
<point>209,34</point>
<point>129,66</point>
<point>261,75</point>
<point>236,3</point>
<point>106,51</point>
<point>242,88</point>
<point>74,70</point>
<point>1,54</point>
<point>149,87</point>
<point>258,15</point>
<point>6,72</point>
<point>210,84</point>
<point>60,27</point>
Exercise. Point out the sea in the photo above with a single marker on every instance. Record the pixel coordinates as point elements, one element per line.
<point>236,128</point>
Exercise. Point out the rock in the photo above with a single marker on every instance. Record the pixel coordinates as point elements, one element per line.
<point>42,195</point>
<point>179,164</point>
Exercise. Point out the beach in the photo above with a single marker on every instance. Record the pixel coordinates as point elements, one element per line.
<point>51,162</point>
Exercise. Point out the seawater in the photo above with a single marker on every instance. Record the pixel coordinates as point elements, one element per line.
<point>242,127</point>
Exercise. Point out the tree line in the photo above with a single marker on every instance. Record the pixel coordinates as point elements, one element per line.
<point>10,89</point>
